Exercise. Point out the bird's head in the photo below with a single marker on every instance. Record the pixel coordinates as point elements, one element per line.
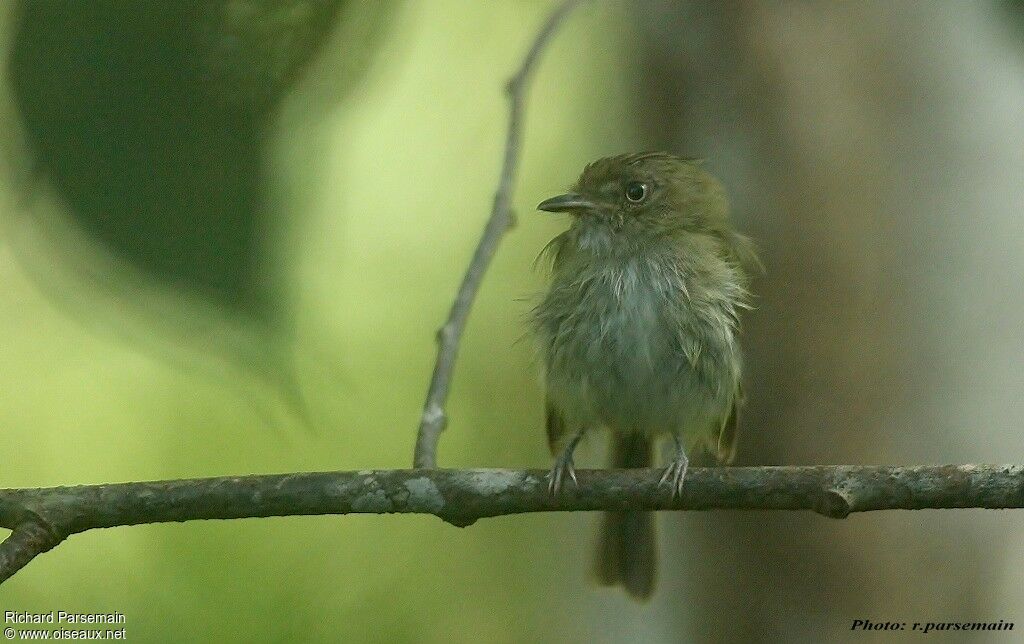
<point>646,194</point>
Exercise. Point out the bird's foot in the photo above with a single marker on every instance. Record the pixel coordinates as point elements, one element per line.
<point>563,466</point>
<point>676,471</point>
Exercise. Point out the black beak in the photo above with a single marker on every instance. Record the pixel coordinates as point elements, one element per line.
<point>566,202</point>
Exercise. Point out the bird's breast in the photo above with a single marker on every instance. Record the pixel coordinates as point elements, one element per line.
<point>625,346</point>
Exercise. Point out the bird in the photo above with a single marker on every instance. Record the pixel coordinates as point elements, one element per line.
<point>638,333</point>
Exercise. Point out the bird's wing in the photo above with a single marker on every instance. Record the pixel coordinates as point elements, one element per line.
<point>725,451</point>
<point>555,426</point>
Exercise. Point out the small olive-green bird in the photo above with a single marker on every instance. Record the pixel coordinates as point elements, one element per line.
<point>638,331</point>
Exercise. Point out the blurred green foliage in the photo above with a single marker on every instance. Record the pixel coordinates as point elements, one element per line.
<point>384,197</point>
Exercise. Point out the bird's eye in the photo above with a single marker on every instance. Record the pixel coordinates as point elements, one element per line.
<point>636,191</point>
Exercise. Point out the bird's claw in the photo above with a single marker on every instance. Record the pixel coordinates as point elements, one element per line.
<point>675,473</point>
<point>563,465</point>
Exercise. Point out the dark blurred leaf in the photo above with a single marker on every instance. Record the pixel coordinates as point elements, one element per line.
<point>148,118</point>
<point>150,122</point>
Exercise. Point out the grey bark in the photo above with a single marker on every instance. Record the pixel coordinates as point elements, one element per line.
<point>43,517</point>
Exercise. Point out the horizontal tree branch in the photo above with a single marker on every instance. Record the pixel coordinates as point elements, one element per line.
<point>43,517</point>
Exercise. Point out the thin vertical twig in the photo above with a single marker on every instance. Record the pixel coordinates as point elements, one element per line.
<point>434,418</point>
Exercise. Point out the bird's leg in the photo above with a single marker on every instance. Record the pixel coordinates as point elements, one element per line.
<point>564,465</point>
<point>676,471</point>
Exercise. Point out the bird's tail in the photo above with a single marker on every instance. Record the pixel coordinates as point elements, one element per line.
<point>627,552</point>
